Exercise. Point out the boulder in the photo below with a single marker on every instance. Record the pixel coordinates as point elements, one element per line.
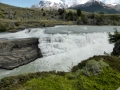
<point>17,52</point>
<point>116,49</point>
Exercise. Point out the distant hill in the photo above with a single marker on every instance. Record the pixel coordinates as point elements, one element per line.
<point>13,18</point>
<point>97,6</point>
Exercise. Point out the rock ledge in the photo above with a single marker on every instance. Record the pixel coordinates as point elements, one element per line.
<point>17,52</point>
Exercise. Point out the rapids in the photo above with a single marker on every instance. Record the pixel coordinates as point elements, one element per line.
<point>62,47</point>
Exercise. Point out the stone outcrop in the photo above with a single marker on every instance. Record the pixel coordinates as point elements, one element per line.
<point>17,52</point>
<point>116,49</point>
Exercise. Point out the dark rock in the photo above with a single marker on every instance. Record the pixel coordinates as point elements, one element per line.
<point>17,52</point>
<point>116,49</point>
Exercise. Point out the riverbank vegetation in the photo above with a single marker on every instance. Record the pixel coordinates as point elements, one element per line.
<point>13,18</point>
<point>114,37</point>
<point>96,73</point>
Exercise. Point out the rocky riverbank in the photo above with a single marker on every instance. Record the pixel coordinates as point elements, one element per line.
<point>17,52</point>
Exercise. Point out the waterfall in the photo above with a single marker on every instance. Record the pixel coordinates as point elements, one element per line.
<point>60,51</point>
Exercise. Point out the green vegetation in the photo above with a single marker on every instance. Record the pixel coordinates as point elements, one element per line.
<point>114,37</point>
<point>96,73</point>
<point>112,61</point>
<point>79,12</point>
<point>13,18</point>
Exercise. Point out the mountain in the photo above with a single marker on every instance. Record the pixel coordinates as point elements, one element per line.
<point>116,7</point>
<point>98,6</point>
<point>50,5</point>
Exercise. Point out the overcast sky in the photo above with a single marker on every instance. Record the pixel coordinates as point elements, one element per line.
<point>29,3</point>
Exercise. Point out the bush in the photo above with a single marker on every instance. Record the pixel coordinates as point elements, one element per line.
<point>70,77</point>
<point>70,16</point>
<point>17,23</point>
<point>3,29</point>
<point>114,37</point>
<point>79,12</point>
<point>84,19</point>
<point>94,67</point>
<point>61,11</point>
<point>44,14</point>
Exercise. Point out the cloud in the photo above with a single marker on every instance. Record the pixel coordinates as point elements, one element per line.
<point>70,2</point>
<point>111,1</point>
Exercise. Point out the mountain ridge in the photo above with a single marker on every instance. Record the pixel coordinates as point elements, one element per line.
<point>98,6</point>
<point>50,5</point>
<point>90,6</point>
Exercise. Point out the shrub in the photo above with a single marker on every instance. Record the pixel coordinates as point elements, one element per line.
<point>94,66</point>
<point>44,14</point>
<point>79,12</point>
<point>114,37</point>
<point>71,76</point>
<point>61,73</point>
<point>17,23</point>
<point>84,19</point>
<point>70,16</point>
<point>3,29</point>
<point>61,11</point>
<point>42,9</point>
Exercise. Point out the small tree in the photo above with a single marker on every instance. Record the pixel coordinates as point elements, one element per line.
<point>44,14</point>
<point>114,37</point>
<point>61,11</point>
<point>70,15</point>
<point>84,19</point>
<point>3,28</point>
<point>79,12</point>
<point>42,9</point>
<point>101,12</point>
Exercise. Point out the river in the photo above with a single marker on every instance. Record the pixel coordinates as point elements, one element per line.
<point>63,46</point>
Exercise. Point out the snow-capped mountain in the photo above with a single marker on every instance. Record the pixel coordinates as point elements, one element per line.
<point>90,3</point>
<point>50,5</point>
<point>114,6</point>
<point>97,6</point>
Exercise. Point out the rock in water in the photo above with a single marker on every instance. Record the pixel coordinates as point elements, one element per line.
<point>17,52</point>
<point>116,49</point>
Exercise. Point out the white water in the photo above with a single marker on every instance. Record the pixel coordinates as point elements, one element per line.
<point>60,51</point>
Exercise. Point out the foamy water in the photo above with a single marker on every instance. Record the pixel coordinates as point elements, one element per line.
<point>60,51</point>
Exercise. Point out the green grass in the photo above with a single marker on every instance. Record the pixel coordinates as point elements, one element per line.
<point>107,78</point>
<point>53,82</point>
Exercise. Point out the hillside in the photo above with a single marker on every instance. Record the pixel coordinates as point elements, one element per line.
<point>97,73</point>
<point>14,18</point>
<point>19,18</point>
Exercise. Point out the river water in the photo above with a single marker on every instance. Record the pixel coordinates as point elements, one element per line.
<point>63,46</point>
